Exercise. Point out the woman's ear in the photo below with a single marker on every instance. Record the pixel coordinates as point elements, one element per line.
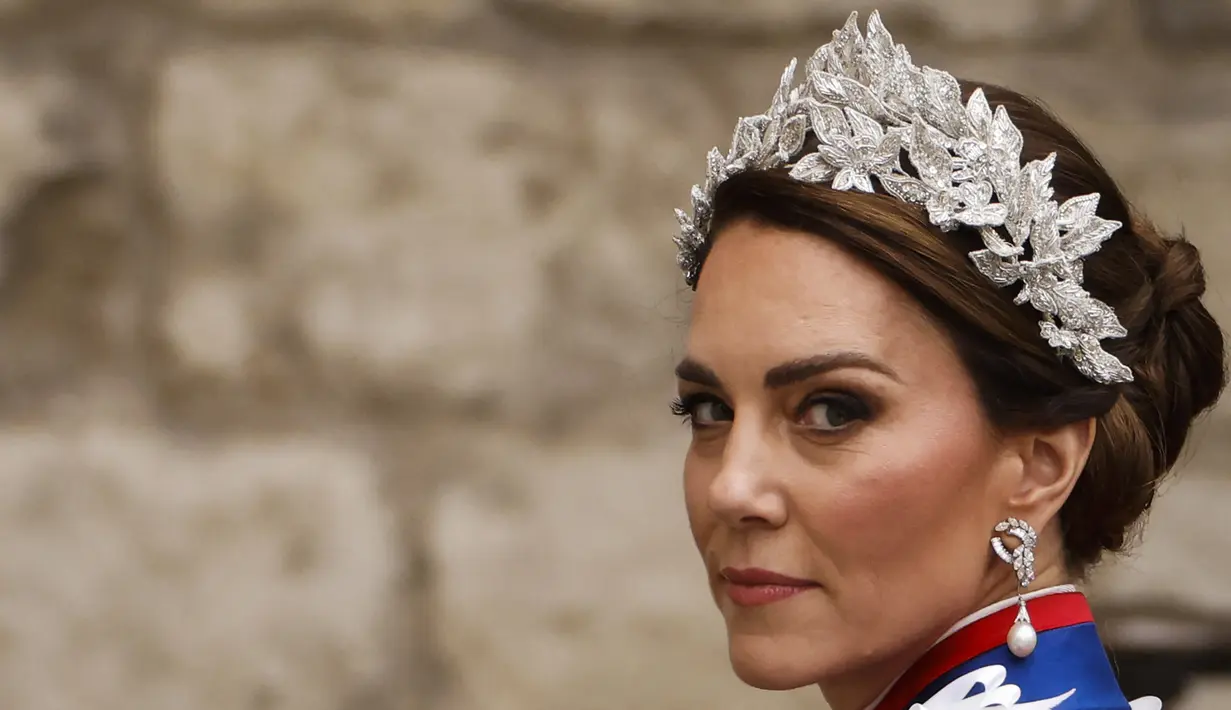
<point>1051,463</point>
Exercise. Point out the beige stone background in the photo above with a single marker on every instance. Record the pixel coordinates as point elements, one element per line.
<point>337,335</point>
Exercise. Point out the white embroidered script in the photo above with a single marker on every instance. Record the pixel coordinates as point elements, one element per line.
<point>997,695</point>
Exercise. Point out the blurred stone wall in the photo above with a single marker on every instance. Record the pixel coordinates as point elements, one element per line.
<point>337,336</point>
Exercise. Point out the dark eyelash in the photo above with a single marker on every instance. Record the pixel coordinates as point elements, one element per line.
<point>684,405</point>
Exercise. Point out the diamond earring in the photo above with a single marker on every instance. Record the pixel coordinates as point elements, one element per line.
<point>1022,637</point>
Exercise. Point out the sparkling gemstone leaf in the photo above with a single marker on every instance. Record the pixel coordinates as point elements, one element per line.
<point>847,42</point>
<point>976,193</point>
<point>700,204</point>
<point>1039,177</point>
<point>791,141</point>
<point>768,146</point>
<point>886,157</point>
<point>970,149</point>
<point>714,173</point>
<point>829,88</point>
<point>961,173</point>
<point>879,45</point>
<point>945,91</point>
<point>833,60</point>
<point>942,208</point>
<point>1056,336</point>
<point>1045,233</point>
<point>835,156</point>
<point>845,179</point>
<point>813,168</point>
<point>682,217</point>
<point>1033,189</point>
<point>747,137</point>
<point>998,270</point>
<point>687,259</point>
<point>916,88</point>
<point>983,215</point>
<point>866,131</point>
<point>1073,270</point>
<point>1075,211</point>
<point>818,63</point>
<point>782,96</point>
<point>1005,137</point>
<point>900,97</point>
<point>929,156</point>
<point>1092,317</point>
<point>1101,366</point>
<point>878,38</point>
<point>1093,362</point>
<point>998,246</point>
<point>689,234</point>
<point>1087,238</point>
<point>1003,176</point>
<point>862,98</point>
<point>980,112</point>
<point>944,97</point>
<point>1050,296</point>
<point>906,188</point>
<point>827,120</point>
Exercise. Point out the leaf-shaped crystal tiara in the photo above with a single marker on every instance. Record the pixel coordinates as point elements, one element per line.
<point>865,103</point>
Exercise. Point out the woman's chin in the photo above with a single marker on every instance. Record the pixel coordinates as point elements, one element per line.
<point>763,664</point>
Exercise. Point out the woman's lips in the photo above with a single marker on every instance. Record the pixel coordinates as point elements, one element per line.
<point>757,587</point>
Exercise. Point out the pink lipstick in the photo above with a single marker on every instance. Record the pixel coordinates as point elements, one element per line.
<point>758,587</point>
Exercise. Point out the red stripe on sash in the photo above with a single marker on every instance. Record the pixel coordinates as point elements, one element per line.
<point>1054,611</point>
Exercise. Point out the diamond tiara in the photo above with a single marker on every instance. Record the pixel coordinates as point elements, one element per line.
<point>866,103</point>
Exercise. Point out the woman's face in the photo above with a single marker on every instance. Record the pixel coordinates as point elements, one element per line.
<point>838,441</point>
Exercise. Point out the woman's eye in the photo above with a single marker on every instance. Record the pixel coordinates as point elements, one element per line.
<point>702,410</point>
<point>832,413</point>
<point>711,412</point>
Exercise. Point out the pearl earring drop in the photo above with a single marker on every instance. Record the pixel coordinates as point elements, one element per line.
<point>1022,637</point>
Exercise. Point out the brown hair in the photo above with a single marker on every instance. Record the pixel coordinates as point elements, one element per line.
<point>1154,282</point>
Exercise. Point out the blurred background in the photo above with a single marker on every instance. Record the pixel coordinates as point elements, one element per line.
<point>337,338</point>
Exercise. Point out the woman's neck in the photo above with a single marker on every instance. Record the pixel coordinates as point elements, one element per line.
<point>863,689</point>
<point>991,610</point>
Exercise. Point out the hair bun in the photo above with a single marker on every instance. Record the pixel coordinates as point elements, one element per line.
<point>1180,277</point>
<point>1182,367</point>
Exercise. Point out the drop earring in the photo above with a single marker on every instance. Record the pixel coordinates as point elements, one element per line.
<point>1022,637</point>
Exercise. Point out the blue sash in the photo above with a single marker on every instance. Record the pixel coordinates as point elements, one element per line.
<point>1068,669</point>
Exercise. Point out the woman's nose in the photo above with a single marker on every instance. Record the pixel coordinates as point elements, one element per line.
<point>745,491</point>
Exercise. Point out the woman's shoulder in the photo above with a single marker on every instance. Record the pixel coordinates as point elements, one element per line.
<point>989,687</point>
<point>974,668</point>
